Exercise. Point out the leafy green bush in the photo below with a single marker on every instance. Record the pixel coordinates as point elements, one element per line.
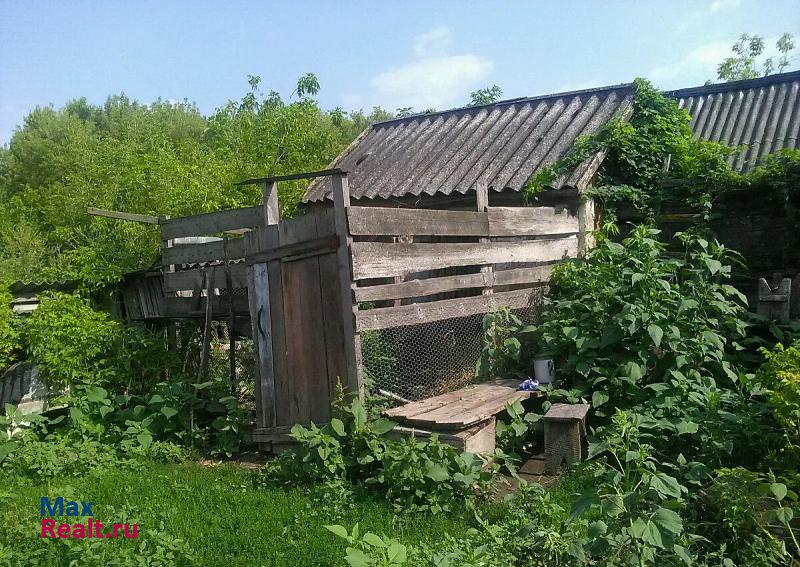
<point>413,475</point>
<point>9,331</point>
<point>780,374</point>
<point>71,341</point>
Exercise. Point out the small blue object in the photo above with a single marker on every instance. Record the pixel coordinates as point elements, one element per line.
<point>528,385</point>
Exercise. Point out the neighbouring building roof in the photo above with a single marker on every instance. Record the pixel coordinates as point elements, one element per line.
<point>501,145</point>
<point>760,115</point>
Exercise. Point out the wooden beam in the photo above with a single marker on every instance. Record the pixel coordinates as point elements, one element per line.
<point>291,177</point>
<point>352,339</point>
<point>133,217</point>
<point>374,221</point>
<point>418,313</point>
<point>187,279</point>
<point>482,202</point>
<point>384,259</point>
<point>314,247</point>
<point>231,220</point>
<point>530,221</point>
<point>206,252</point>
<point>431,286</point>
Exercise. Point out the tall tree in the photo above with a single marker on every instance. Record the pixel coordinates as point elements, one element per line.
<point>744,63</point>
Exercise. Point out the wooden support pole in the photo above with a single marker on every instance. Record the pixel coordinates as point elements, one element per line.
<point>205,354</point>
<point>231,323</point>
<point>352,339</point>
<point>482,197</point>
<point>258,293</point>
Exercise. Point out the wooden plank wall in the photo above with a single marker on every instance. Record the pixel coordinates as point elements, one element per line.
<point>230,224</point>
<point>519,243</point>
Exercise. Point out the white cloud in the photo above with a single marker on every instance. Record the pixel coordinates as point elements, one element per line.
<point>433,78</point>
<point>432,82</point>
<point>718,5</point>
<point>696,67</point>
<point>435,42</point>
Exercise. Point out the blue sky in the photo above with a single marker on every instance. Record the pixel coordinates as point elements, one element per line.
<point>394,54</point>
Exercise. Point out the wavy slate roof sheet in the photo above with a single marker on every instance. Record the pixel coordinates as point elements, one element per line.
<point>501,144</point>
<point>761,115</point>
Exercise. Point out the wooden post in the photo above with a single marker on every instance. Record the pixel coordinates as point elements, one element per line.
<point>586,219</point>
<point>352,339</point>
<point>258,294</point>
<point>205,354</point>
<point>482,196</point>
<point>231,322</point>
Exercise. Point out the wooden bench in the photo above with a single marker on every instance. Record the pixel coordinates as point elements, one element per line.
<point>463,418</point>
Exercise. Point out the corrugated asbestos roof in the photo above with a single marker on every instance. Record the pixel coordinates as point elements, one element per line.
<point>761,115</point>
<point>501,144</point>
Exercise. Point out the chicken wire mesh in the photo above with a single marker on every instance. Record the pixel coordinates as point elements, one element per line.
<point>425,360</point>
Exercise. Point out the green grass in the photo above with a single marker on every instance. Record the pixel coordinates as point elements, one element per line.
<point>218,511</point>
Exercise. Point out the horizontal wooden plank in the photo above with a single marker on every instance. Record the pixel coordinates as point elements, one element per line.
<point>210,223</point>
<point>417,313</point>
<point>530,221</point>
<point>298,250</point>
<point>207,252</point>
<point>147,219</point>
<point>375,221</point>
<point>191,308</point>
<point>386,259</point>
<point>420,288</point>
<point>192,279</point>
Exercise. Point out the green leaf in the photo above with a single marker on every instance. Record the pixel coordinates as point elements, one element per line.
<point>156,399</point>
<point>581,505</point>
<point>145,438</point>
<point>169,412</point>
<point>570,332</point>
<point>778,490</point>
<point>784,515</point>
<point>686,427</point>
<point>338,530</point>
<point>373,540</point>
<point>655,333</point>
<point>437,472</point>
<point>665,485</point>
<point>683,553</point>
<point>597,528</point>
<point>397,553</point>
<point>668,520</point>
<point>338,426</point>
<point>611,334</point>
<point>96,394</point>
<point>652,535</point>
<point>357,558</point>
<point>714,266</point>
<point>382,426</point>
<point>599,398</point>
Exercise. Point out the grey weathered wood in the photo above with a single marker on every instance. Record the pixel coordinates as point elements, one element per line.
<point>379,259</point>
<point>194,307</point>
<point>366,221</point>
<point>352,339</point>
<point>187,279</point>
<point>315,246</point>
<point>530,221</point>
<point>210,223</point>
<point>205,354</point>
<point>147,219</point>
<point>271,209</point>
<point>420,288</point>
<point>207,252</point>
<point>386,317</point>
<point>482,198</point>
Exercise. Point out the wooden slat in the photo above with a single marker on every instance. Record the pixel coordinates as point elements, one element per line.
<point>420,288</point>
<point>530,221</point>
<point>210,223</point>
<point>386,259</point>
<point>207,252</point>
<point>469,411</point>
<point>417,313</point>
<point>147,219</point>
<point>188,307</point>
<point>477,414</point>
<point>326,244</point>
<point>188,279</point>
<point>377,221</point>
